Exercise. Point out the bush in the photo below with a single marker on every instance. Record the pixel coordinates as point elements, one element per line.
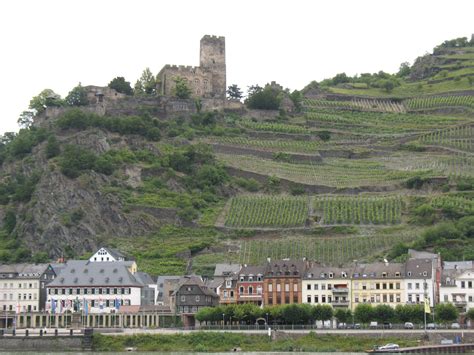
<point>251,184</point>
<point>264,99</point>
<point>77,97</point>
<point>76,160</point>
<point>415,182</point>
<point>52,147</point>
<point>442,231</point>
<point>120,85</point>
<point>9,221</point>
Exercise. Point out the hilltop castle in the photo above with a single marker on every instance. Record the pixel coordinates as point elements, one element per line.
<point>208,80</point>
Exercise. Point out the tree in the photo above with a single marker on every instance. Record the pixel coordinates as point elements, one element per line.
<point>52,147</point>
<point>120,85</point>
<point>343,315</point>
<point>181,90</point>
<point>234,92</point>
<point>446,312</point>
<point>297,99</point>
<point>9,221</point>
<point>46,98</point>
<point>322,312</point>
<point>146,85</point>
<point>77,96</point>
<point>26,119</point>
<point>466,226</point>
<point>470,314</point>
<point>387,84</point>
<point>268,98</point>
<point>364,313</point>
<point>384,313</point>
<point>404,70</point>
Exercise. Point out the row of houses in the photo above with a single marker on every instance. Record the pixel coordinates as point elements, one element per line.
<point>110,283</point>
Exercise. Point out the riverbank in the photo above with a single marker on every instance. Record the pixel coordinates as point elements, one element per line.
<point>223,342</point>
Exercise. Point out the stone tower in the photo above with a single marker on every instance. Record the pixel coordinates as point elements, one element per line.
<point>212,58</point>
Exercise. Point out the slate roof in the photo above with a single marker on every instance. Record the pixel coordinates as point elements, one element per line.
<point>285,267</point>
<point>143,278</point>
<point>252,270</point>
<point>23,270</point>
<point>415,254</point>
<point>226,269</point>
<point>322,273</point>
<point>418,269</point>
<point>459,265</point>
<point>90,274</point>
<point>376,270</point>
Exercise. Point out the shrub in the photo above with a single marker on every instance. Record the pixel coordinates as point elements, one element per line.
<point>75,160</point>
<point>52,147</point>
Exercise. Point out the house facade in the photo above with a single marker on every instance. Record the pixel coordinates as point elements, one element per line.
<point>95,287</point>
<point>378,283</point>
<point>23,287</point>
<point>420,281</point>
<point>250,285</point>
<point>457,285</point>
<point>282,282</point>
<point>327,285</point>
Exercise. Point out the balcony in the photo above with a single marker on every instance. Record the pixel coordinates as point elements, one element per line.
<point>340,290</point>
<point>340,303</point>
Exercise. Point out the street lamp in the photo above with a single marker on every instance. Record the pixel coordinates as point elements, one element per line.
<point>266,317</point>
<point>223,320</point>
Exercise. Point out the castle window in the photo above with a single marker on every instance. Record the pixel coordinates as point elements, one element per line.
<point>206,84</point>
<point>196,82</point>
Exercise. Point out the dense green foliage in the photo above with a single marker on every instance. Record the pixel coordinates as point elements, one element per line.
<point>267,98</point>
<point>77,97</point>
<point>120,85</point>
<point>226,342</point>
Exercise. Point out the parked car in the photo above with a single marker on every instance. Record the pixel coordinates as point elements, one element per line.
<point>373,325</point>
<point>409,325</point>
<point>387,325</point>
<point>353,326</point>
<point>342,326</point>
<point>455,325</point>
<point>431,326</point>
<point>390,346</point>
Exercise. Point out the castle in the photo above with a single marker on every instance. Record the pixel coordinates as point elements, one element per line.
<point>208,80</point>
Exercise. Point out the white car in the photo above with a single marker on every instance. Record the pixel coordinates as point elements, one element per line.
<point>389,347</point>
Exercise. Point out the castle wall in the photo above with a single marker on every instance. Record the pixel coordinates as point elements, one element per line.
<point>199,80</point>
<point>206,81</point>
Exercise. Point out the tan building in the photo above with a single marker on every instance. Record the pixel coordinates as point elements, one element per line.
<point>378,283</point>
<point>282,282</point>
<point>208,80</point>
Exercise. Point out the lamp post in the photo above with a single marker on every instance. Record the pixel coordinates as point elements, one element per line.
<point>223,320</point>
<point>266,318</point>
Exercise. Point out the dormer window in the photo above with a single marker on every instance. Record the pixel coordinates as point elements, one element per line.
<point>397,274</point>
<point>331,275</point>
<point>384,274</point>
<point>242,278</point>
<point>409,273</point>
<point>425,273</point>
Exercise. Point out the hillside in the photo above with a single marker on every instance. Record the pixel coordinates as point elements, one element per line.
<point>358,172</point>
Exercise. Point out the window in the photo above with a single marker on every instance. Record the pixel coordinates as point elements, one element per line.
<point>183,298</point>
<point>308,287</point>
<point>241,290</point>
<point>278,287</point>
<point>463,284</point>
<point>329,286</point>
<point>198,298</point>
<point>287,287</point>
<point>391,298</point>
<point>295,287</point>
<point>323,286</point>
<point>250,290</point>
<point>384,298</point>
<point>384,286</point>
<point>323,299</point>
<point>316,287</point>
<point>469,284</point>
<point>270,287</point>
<point>409,285</point>
<point>377,286</point>
<point>390,286</point>
<point>410,299</point>
<point>356,299</point>
<point>250,278</point>
<point>308,299</point>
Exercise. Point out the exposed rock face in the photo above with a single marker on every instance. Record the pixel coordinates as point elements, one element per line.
<point>79,214</point>
<point>424,67</point>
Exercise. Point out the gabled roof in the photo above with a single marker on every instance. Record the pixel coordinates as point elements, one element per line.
<point>285,267</point>
<point>378,270</point>
<point>91,274</point>
<point>418,268</point>
<point>322,273</point>
<point>24,270</point>
<point>458,265</point>
<point>252,270</point>
<point>226,269</point>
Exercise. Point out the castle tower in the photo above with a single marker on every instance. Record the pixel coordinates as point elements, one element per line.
<point>212,58</point>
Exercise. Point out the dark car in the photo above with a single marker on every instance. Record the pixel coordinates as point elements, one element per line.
<point>387,325</point>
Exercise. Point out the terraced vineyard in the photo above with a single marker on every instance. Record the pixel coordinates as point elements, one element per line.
<point>267,211</point>
<point>280,145</point>
<point>460,137</point>
<point>358,104</point>
<point>458,203</point>
<point>432,102</point>
<point>333,172</point>
<point>333,251</point>
<point>438,164</point>
<point>359,209</point>
<point>273,127</point>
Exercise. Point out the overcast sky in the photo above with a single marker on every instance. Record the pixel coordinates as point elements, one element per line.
<point>57,44</point>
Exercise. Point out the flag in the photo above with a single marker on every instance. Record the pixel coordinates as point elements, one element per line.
<point>53,306</point>
<point>86,307</point>
<point>427,305</point>
<point>101,305</point>
<point>117,304</point>
<point>18,308</point>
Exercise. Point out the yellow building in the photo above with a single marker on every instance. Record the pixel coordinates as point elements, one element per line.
<point>378,283</point>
